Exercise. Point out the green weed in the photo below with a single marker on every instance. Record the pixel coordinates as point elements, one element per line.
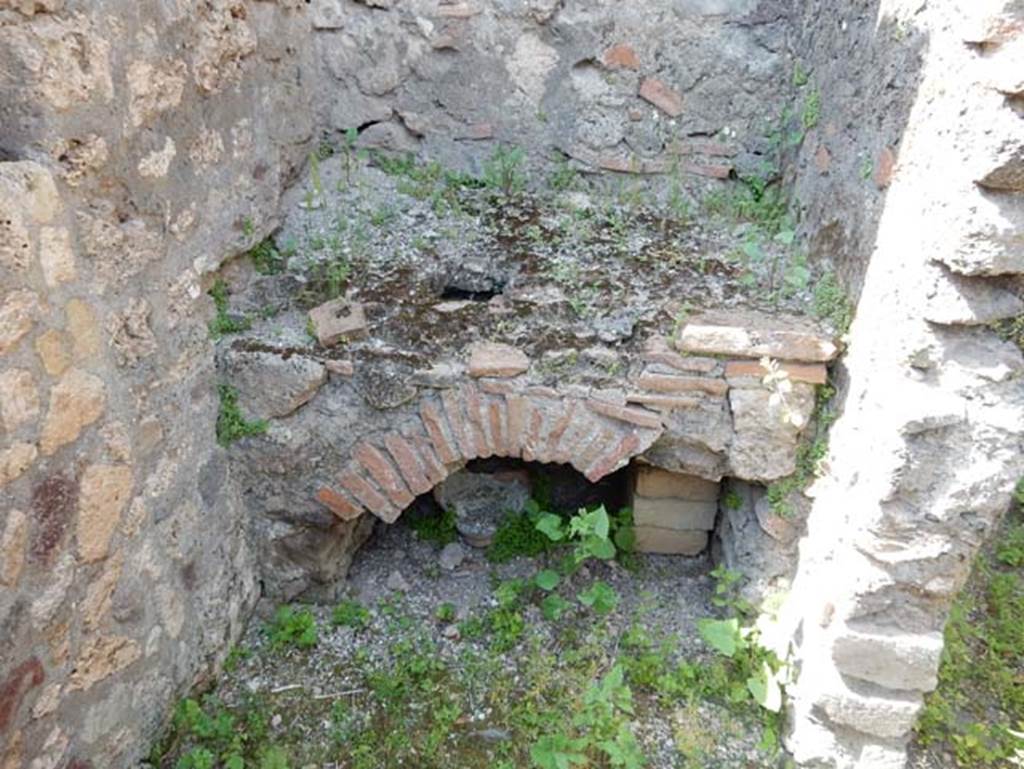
<point>231,424</point>
<point>292,627</point>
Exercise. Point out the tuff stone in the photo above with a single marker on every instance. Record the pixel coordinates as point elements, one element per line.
<point>337,320</point>
<point>676,514</point>
<point>15,460</point>
<point>76,401</point>
<point>19,399</point>
<point>651,539</point>
<point>656,483</point>
<point>12,547</point>
<point>18,311</point>
<point>104,491</point>
<point>766,429</point>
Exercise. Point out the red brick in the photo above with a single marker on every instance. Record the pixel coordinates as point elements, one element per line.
<point>477,132</point>
<point>669,383</point>
<point>432,465</point>
<point>681,362</point>
<point>665,402</point>
<point>661,96</point>
<point>710,170</point>
<point>408,463</point>
<point>813,373</point>
<point>611,460</point>
<point>460,426</point>
<point>373,500</point>
<point>339,504</point>
<point>749,334</point>
<point>340,367</point>
<point>496,386</point>
<point>540,391</point>
<point>434,424</point>
<point>518,410</point>
<point>635,416</point>
<point>498,425</point>
<point>383,472</point>
<point>706,147</point>
<point>621,56</point>
<point>477,420</point>
<point>497,360</point>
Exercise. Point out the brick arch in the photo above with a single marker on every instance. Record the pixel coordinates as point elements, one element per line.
<point>386,471</point>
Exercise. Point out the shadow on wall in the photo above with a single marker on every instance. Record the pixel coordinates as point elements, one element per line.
<point>861,77</point>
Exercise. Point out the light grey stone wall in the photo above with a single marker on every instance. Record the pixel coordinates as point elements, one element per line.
<point>929,446</point>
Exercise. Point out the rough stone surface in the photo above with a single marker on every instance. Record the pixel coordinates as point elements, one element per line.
<point>273,385</point>
<point>76,401</point>
<point>908,662</point>
<point>480,502</point>
<point>656,483</point>
<point>337,320</point>
<point>104,493</point>
<point>766,427</point>
<point>753,336</point>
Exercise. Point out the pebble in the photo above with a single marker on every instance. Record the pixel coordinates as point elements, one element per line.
<point>452,556</point>
<point>397,582</point>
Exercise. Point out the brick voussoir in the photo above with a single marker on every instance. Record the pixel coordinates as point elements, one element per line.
<point>339,504</point>
<point>437,429</point>
<point>534,433</point>
<point>617,456</point>
<point>497,417</point>
<point>408,463</point>
<point>432,465</point>
<point>477,418</point>
<point>550,444</point>
<point>591,450</point>
<point>353,482</point>
<point>517,409</point>
<point>460,428</point>
<point>383,472</point>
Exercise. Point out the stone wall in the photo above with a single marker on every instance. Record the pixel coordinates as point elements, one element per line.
<point>657,87</point>
<point>929,445</point>
<point>136,139</point>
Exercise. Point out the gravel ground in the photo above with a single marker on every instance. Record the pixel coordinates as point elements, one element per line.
<point>295,688</point>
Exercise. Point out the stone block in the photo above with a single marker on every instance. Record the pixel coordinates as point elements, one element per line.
<point>337,320</point>
<point>766,431</point>
<point>656,483</point>
<point>754,335</point>
<point>897,661</point>
<point>651,539</point>
<point>676,514</point>
<point>76,401</point>
<point>889,718</point>
<point>499,360</point>
<point>272,385</point>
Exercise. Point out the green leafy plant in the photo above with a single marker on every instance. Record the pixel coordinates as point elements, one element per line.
<point>292,627</point>
<point>350,613</point>
<point>266,258</point>
<point>831,304</point>
<point>223,322</point>
<point>439,529</point>
<point>518,535</point>
<point>503,170</point>
<point>231,424</point>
